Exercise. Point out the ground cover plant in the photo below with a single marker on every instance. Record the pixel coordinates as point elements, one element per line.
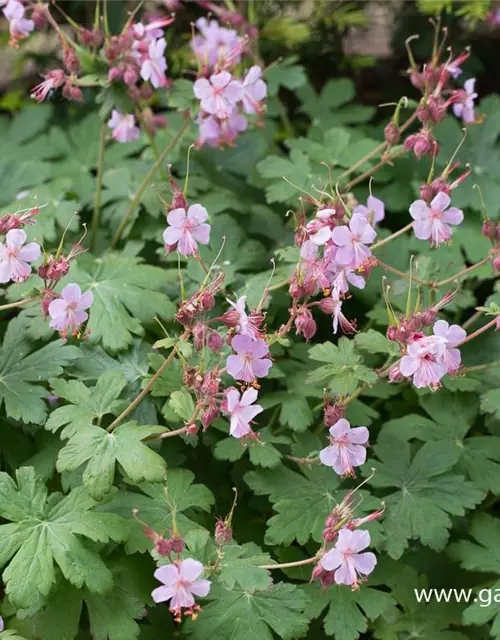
<point>249,363</point>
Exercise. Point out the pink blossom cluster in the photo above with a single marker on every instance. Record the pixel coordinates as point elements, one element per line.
<point>226,98</point>
<point>428,358</point>
<point>334,253</point>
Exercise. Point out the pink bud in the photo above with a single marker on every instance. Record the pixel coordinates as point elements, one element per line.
<point>305,324</point>
<point>163,547</point>
<point>114,74</point>
<point>392,133</point>
<point>423,113</point>
<point>192,430</point>
<point>496,263</point>
<point>392,333</point>
<point>395,374</point>
<point>130,76</point>
<point>215,342</point>
<point>210,414</point>
<point>57,269</point>
<point>177,544</point>
<point>417,79</point>
<point>199,335</point>
<point>146,92</point>
<point>39,18</point>
<point>207,301</point>
<point>489,229</point>
<point>428,317</point>
<point>332,413</point>
<point>328,305</point>
<point>223,532</point>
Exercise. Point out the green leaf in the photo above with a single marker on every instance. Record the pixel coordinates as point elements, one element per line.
<point>87,404</point>
<point>156,504</point>
<point>126,294</point>
<point>375,342</point>
<point>20,366</point>
<point>343,369</point>
<point>240,566</point>
<point>262,453</point>
<point>296,170</point>
<point>301,502</point>
<point>252,616</point>
<point>427,493</point>
<point>490,402</point>
<point>348,611</point>
<point>482,555</point>
<point>182,403</point>
<point>285,74</point>
<point>46,530</point>
<point>101,451</point>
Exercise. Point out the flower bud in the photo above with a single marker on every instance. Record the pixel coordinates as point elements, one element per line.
<point>496,263</point>
<point>130,76</point>
<point>392,333</point>
<point>328,305</point>
<point>395,374</point>
<point>423,113</point>
<point>57,269</point>
<point>210,414</point>
<point>146,92</point>
<point>163,547</point>
<point>71,61</point>
<point>191,430</point>
<point>489,229</point>
<point>207,301</point>
<point>332,413</point>
<point>223,532</point>
<point>428,317</point>
<point>76,94</point>
<point>215,342</point>
<point>199,335</point>
<point>392,133</point>
<point>417,79</point>
<point>177,544</point>
<point>305,324</point>
<point>39,17</point>
<point>114,74</point>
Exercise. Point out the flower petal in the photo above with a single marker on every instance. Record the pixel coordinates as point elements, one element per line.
<point>441,201</point>
<point>29,252</point>
<point>71,293</point>
<point>364,562</point>
<point>190,569</point>
<point>168,574</point>
<point>419,210</point>
<point>15,238</point>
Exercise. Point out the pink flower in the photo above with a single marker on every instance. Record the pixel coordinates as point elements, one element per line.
<point>352,241</point>
<point>254,90</point>
<point>219,94</point>
<point>180,584</point>
<point>342,279</point>
<point>153,68</point>
<point>346,560</point>
<point>14,257</point>
<point>347,449</point>
<point>217,132</point>
<point>453,336</point>
<point>216,44</point>
<point>464,108</point>
<point>123,125</point>
<point>187,229</point>
<point>320,229</point>
<point>423,361</point>
<point>53,80</point>
<point>19,26</point>
<point>68,312</point>
<point>432,222</point>
<point>250,361</point>
<point>374,211</point>
<point>241,411</point>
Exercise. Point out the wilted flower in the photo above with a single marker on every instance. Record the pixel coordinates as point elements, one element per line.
<point>68,312</point>
<point>432,222</point>
<point>347,448</point>
<point>53,80</point>
<point>242,411</point>
<point>250,361</point>
<point>124,127</point>
<point>346,560</point>
<point>14,257</point>
<point>187,229</point>
<point>180,584</point>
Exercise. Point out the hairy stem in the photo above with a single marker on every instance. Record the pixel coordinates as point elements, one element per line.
<point>479,331</point>
<point>19,303</point>
<point>393,236</point>
<point>126,412</point>
<point>480,367</point>
<point>286,565</point>
<point>145,183</point>
<point>303,460</point>
<point>441,283</point>
<point>369,172</point>
<point>98,186</point>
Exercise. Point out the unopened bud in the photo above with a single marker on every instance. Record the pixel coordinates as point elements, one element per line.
<point>392,133</point>
<point>163,547</point>
<point>199,335</point>
<point>428,317</point>
<point>392,333</point>
<point>215,341</point>
<point>489,229</point>
<point>130,76</point>
<point>395,374</point>
<point>332,413</point>
<point>305,324</point>
<point>207,301</point>
<point>496,263</point>
<point>328,305</point>
<point>191,430</point>
<point>114,74</point>
<point>210,414</point>
<point>177,544</point>
<point>223,532</point>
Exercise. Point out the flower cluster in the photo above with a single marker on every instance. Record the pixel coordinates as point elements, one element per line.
<point>225,99</point>
<point>334,253</point>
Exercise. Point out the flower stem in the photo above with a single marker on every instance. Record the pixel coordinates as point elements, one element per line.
<point>480,367</point>
<point>147,388</point>
<point>369,172</point>
<point>479,331</point>
<point>402,274</point>
<point>19,303</point>
<point>303,460</point>
<point>98,187</point>
<point>287,565</point>
<point>472,319</point>
<point>464,271</point>
<point>393,236</point>
<point>149,176</point>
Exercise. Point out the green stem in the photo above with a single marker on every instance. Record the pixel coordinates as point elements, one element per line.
<point>480,367</point>
<point>98,188</point>
<point>381,243</point>
<point>402,274</point>
<point>464,271</point>
<point>287,565</point>
<point>152,141</point>
<point>19,303</point>
<point>147,388</point>
<point>372,170</point>
<point>137,198</point>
